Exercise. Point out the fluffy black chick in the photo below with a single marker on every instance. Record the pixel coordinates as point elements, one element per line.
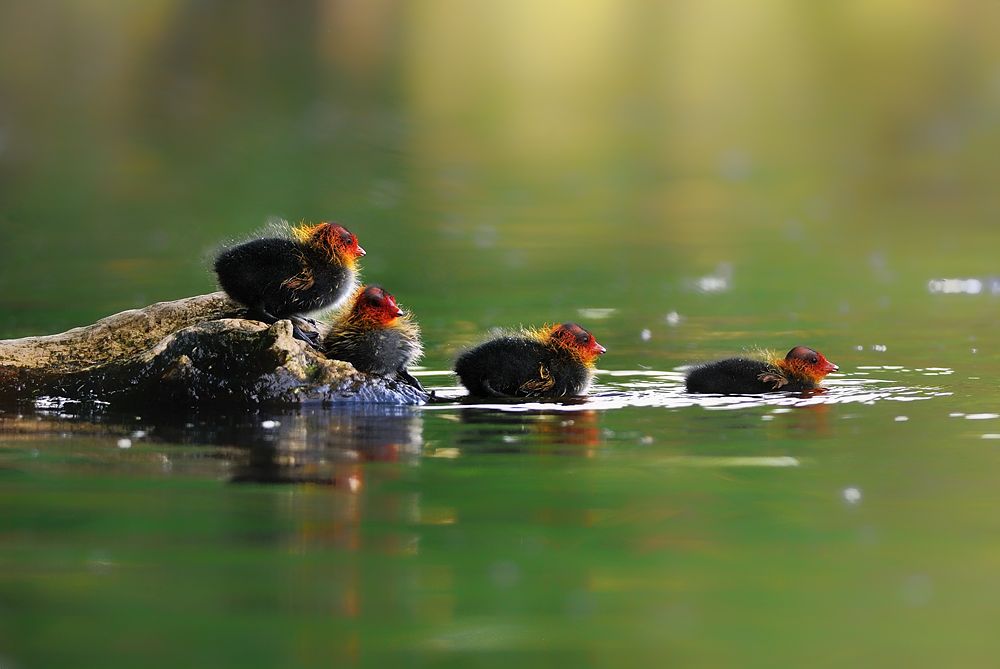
<point>801,369</point>
<point>307,268</point>
<point>555,361</point>
<point>375,336</point>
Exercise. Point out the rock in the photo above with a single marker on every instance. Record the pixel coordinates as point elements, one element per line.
<point>190,352</point>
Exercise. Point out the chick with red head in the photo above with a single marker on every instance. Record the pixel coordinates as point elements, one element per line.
<point>554,361</point>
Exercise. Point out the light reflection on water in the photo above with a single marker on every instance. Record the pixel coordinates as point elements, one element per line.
<point>418,514</point>
<point>665,389</point>
<point>327,444</point>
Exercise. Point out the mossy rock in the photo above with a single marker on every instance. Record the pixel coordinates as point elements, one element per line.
<point>190,352</point>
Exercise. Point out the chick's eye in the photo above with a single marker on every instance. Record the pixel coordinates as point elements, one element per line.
<point>813,360</point>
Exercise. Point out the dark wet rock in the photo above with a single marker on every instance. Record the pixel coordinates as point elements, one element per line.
<point>190,352</point>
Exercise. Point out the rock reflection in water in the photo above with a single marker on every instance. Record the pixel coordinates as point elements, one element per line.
<point>321,446</point>
<point>325,446</point>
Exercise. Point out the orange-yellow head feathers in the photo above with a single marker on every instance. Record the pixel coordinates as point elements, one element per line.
<point>376,306</point>
<point>804,362</point>
<point>575,340</point>
<point>333,239</point>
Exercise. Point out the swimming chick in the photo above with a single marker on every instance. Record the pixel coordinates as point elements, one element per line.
<point>801,369</point>
<point>304,269</point>
<point>554,361</point>
<point>375,336</point>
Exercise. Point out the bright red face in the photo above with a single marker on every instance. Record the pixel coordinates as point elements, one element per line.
<point>813,362</point>
<point>346,241</point>
<point>338,240</point>
<point>576,339</point>
<point>376,305</point>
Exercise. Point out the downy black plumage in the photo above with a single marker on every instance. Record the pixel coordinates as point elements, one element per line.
<point>310,267</point>
<point>375,336</point>
<point>556,361</point>
<point>801,369</point>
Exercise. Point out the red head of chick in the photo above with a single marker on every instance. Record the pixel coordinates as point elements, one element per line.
<point>334,242</point>
<point>554,361</point>
<point>801,369</point>
<point>375,335</point>
<point>299,270</point>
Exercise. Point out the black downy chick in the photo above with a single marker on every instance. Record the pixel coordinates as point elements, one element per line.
<point>555,361</point>
<point>800,370</point>
<point>312,268</point>
<point>375,336</point>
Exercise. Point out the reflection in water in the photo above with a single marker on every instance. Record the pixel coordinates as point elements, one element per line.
<point>498,431</point>
<point>322,446</point>
<point>373,535</point>
<point>649,388</point>
<point>325,446</point>
<point>330,450</point>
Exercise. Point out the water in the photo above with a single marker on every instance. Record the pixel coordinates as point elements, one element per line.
<point>687,182</point>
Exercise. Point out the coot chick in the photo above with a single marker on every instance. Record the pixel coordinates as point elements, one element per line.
<point>555,361</point>
<point>304,269</point>
<point>802,369</point>
<point>375,336</point>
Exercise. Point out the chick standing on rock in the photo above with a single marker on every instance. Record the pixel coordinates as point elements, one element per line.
<point>375,336</point>
<point>310,267</point>
<point>801,369</point>
<point>555,361</point>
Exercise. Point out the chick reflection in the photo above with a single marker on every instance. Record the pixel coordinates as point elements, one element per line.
<point>811,418</point>
<point>559,432</point>
<point>326,446</point>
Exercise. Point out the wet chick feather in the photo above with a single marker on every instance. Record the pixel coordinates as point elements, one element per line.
<point>801,369</point>
<point>554,361</point>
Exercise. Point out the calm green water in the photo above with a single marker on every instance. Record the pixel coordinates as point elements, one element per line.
<point>687,182</point>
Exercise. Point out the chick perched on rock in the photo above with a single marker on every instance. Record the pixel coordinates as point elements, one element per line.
<point>555,361</point>
<point>375,336</point>
<point>801,369</point>
<point>302,269</point>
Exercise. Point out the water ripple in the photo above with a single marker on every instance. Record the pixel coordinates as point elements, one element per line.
<point>619,389</point>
